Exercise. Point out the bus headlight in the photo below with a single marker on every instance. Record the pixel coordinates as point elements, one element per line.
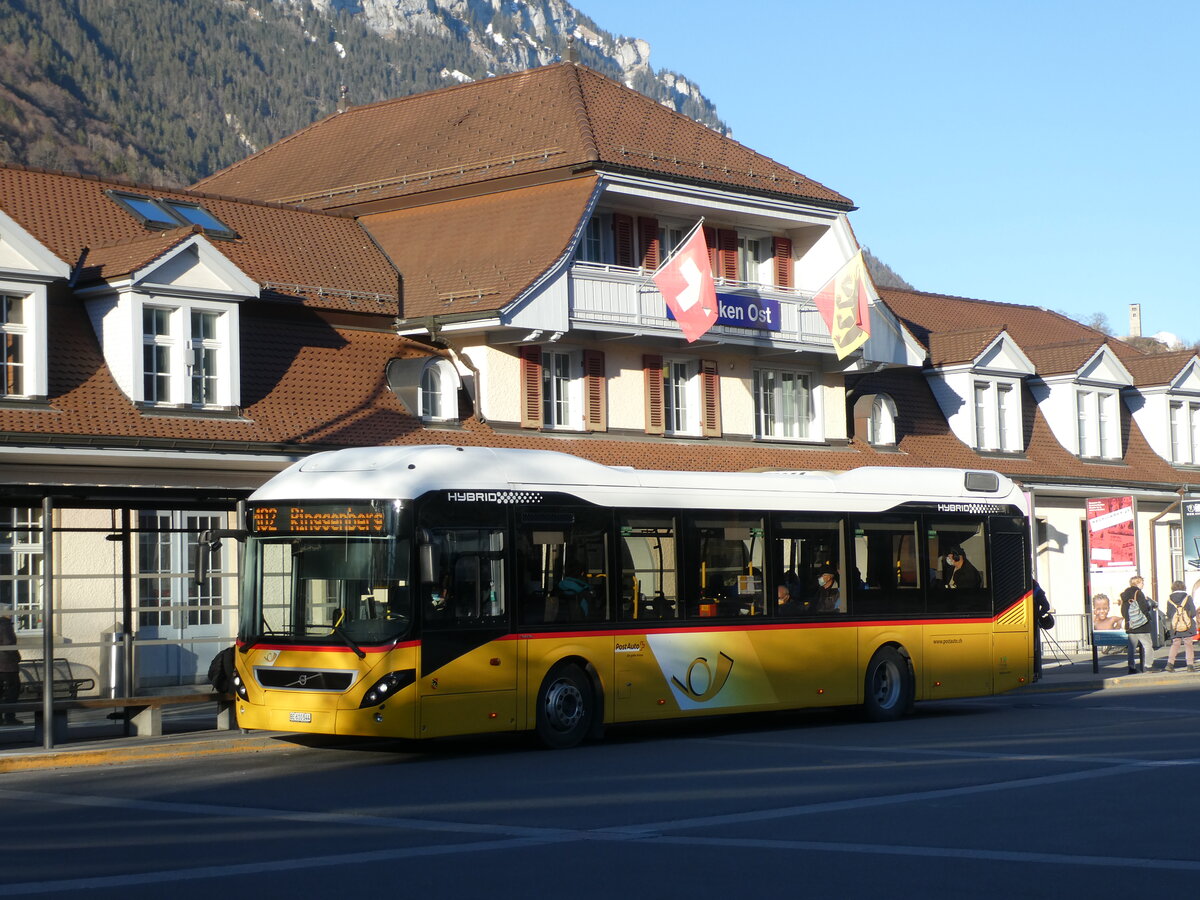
<point>385,687</point>
<point>239,687</point>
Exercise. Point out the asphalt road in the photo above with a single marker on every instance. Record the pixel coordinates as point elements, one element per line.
<point>1055,795</point>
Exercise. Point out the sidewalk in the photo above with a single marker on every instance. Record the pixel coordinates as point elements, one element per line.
<point>95,740</point>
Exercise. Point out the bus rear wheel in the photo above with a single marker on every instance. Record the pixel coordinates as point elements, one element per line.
<point>888,689</point>
<point>566,707</point>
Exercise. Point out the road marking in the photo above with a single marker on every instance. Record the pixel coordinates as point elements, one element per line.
<point>518,837</point>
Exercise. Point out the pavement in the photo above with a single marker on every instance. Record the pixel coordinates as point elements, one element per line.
<point>191,732</point>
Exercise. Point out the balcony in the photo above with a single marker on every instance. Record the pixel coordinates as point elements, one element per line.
<point>622,299</point>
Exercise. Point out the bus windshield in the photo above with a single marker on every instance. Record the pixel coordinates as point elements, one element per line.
<point>345,589</point>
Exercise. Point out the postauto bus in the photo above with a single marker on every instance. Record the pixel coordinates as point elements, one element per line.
<point>415,592</point>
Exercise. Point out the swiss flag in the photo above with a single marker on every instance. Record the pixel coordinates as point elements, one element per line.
<point>686,284</point>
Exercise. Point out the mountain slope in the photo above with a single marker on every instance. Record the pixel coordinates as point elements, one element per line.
<point>168,91</point>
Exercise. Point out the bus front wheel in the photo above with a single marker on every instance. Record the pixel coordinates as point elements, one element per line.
<point>888,689</point>
<point>566,707</point>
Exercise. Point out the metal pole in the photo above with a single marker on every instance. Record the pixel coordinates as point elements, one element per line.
<point>48,623</point>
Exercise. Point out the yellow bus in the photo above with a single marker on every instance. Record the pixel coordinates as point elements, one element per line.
<point>416,592</point>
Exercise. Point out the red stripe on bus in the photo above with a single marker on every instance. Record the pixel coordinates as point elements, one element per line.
<point>333,648</point>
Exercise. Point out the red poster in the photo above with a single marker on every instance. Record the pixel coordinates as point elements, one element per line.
<point>1112,543</point>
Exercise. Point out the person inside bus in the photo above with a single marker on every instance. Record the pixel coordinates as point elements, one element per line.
<point>786,603</point>
<point>828,595</point>
<point>575,593</point>
<point>958,571</point>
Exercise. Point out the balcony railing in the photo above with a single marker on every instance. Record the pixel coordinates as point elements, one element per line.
<point>621,298</point>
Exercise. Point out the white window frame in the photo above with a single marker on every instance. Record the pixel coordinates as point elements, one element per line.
<point>752,256</point>
<point>562,395</point>
<point>681,396</point>
<point>1097,423</point>
<point>18,332</point>
<point>996,418</point>
<point>23,580</point>
<point>437,391</point>
<point>778,417</point>
<point>595,243</point>
<point>32,330</point>
<point>1185,431</point>
<point>881,422</point>
<point>181,348</point>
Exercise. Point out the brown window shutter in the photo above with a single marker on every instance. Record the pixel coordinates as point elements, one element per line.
<point>710,241</point>
<point>623,239</point>
<point>652,366</point>
<point>595,390</point>
<point>710,380</point>
<point>783,262</point>
<point>648,242</point>
<point>727,253</point>
<point>531,386</point>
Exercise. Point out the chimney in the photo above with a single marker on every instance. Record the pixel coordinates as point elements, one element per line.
<point>343,104</point>
<point>1135,320</point>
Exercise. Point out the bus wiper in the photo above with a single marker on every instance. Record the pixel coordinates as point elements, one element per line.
<point>337,629</point>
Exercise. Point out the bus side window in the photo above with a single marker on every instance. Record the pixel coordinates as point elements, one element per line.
<point>958,565</point>
<point>562,566</point>
<point>887,558</point>
<point>649,579</point>
<point>462,573</point>
<point>728,551</point>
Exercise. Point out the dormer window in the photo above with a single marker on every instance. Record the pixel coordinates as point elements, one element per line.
<point>1185,432</point>
<point>438,398</point>
<point>185,355</point>
<point>997,416</point>
<point>1097,423</point>
<point>13,353</point>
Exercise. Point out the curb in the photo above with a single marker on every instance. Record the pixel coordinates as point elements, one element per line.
<point>99,756</point>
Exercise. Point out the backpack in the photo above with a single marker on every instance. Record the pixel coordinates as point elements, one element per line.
<point>220,671</point>
<point>1181,622</point>
<point>1137,618</point>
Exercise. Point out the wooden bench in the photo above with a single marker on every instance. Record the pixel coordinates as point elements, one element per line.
<point>144,713</point>
<point>67,683</point>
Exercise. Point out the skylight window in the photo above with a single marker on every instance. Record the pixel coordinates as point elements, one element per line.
<point>165,213</point>
<point>194,214</point>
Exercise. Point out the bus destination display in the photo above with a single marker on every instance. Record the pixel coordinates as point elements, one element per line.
<point>340,518</point>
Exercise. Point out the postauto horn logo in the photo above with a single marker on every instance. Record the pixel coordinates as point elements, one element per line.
<point>700,675</point>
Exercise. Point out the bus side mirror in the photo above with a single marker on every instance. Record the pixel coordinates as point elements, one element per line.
<point>209,543</point>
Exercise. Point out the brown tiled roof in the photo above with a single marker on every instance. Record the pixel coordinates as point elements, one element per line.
<point>128,255</point>
<point>1061,359</point>
<point>1158,368</point>
<point>1030,326</point>
<point>481,252</point>
<point>925,439</point>
<point>325,258</point>
<point>950,347</point>
<point>557,117</point>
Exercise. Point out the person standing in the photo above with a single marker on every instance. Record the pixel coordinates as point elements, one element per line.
<point>10,664</point>
<point>1135,610</point>
<point>1181,607</point>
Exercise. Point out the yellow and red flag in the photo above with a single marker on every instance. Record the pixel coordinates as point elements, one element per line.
<point>843,305</point>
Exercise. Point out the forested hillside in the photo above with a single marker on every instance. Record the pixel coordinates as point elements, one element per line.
<point>168,91</point>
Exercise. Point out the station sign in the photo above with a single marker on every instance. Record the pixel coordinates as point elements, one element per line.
<point>742,311</point>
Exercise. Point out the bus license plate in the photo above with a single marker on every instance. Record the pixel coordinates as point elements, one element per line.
<point>300,717</point>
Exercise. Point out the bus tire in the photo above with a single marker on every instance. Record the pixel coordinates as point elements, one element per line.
<point>888,689</point>
<point>566,707</point>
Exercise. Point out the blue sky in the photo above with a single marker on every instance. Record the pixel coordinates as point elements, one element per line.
<point>1042,153</point>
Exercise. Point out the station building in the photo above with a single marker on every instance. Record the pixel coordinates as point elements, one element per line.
<point>473,266</point>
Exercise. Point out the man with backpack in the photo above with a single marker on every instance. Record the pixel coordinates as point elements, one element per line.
<point>1135,608</point>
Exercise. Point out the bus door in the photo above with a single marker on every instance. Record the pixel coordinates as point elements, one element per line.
<point>468,669</point>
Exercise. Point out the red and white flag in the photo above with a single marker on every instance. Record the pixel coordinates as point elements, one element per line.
<point>686,284</point>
